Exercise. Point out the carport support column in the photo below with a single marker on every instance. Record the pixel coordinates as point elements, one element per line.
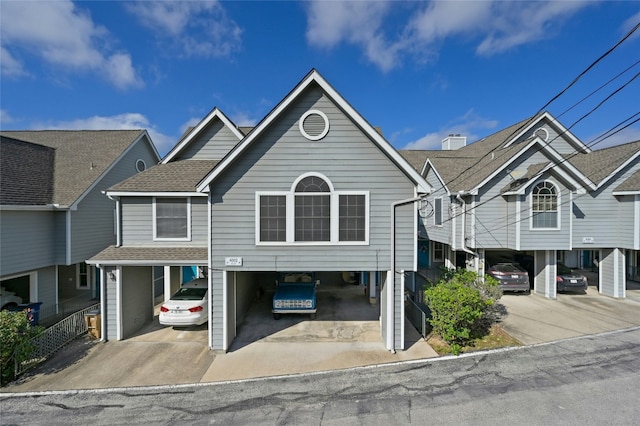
<point>373,282</point>
<point>551,270</point>
<point>613,280</point>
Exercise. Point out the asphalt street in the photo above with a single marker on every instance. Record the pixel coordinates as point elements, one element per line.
<point>589,380</point>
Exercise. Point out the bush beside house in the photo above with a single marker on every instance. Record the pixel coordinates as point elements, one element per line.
<point>463,307</point>
<point>16,341</point>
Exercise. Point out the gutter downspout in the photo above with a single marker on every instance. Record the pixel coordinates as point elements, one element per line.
<point>464,215</point>
<point>392,278</point>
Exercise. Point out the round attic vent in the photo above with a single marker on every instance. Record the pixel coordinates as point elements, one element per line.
<point>141,166</point>
<point>542,133</point>
<point>314,125</point>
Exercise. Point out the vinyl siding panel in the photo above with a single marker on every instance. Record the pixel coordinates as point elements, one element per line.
<point>440,233</point>
<point>137,222</point>
<point>111,310</point>
<point>604,218</point>
<point>495,216</point>
<point>555,140</point>
<point>47,290</point>
<point>348,159</point>
<point>213,143</point>
<point>217,310</point>
<point>137,300</point>
<point>498,224</point>
<point>28,240</point>
<point>92,224</point>
<point>547,239</point>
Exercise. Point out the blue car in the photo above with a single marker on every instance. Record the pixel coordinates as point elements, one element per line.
<point>295,294</point>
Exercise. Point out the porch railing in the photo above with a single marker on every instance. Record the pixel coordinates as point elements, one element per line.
<point>55,337</point>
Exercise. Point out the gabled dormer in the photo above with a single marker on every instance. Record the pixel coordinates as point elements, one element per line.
<point>211,139</point>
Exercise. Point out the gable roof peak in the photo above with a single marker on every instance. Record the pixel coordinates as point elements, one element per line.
<point>192,132</point>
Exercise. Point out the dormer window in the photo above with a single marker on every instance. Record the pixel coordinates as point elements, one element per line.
<point>544,206</point>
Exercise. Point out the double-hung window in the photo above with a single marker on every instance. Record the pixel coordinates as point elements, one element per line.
<point>312,212</point>
<point>172,219</point>
<point>544,206</point>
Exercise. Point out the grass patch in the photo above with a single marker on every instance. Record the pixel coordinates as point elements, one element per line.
<point>497,338</point>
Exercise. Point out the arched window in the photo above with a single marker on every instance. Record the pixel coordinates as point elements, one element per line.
<point>544,206</point>
<point>312,212</point>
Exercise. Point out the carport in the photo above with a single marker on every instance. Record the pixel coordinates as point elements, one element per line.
<point>249,317</point>
<point>127,295</point>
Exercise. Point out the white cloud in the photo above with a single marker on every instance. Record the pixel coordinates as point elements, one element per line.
<point>630,134</point>
<point>195,28</point>
<point>11,67</point>
<point>64,37</point>
<point>125,121</point>
<point>377,27</point>
<point>356,22</point>
<point>631,22</point>
<point>5,118</point>
<point>467,125</point>
<point>520,23</point>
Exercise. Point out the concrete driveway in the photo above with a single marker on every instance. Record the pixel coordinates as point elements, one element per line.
<point>345,334</point>
<point>534,319</point>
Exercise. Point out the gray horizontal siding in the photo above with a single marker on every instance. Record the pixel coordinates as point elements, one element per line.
<point>347,158</point>
<point>213,143</point>
<point>553,239</point>
<point>92,224</point>
<point>556,140</point>
<point>438,233</point>
<point>498,225</point>
<point>137,222</point>
<point>28,240</point>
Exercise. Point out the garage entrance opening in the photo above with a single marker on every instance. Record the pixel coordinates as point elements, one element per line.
<point>344,314</point>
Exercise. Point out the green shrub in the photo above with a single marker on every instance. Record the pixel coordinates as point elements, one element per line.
<point>463,306</point>
<point>16,345</point>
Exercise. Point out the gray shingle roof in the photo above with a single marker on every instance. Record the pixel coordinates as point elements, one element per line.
<point>26,173</point>
<point>175,176</point>
<point>599,164</point>
<point>632,183</point>
<point>463,169</point>
<point>152,255</point>
<point>81,156</point>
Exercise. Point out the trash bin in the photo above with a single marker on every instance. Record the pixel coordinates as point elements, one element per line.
<point>32,310</point>
<point>92,318</point>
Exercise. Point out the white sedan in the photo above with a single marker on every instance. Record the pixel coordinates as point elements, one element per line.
<point>188,306</point>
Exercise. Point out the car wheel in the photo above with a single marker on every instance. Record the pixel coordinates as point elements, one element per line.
<point>276,316</point>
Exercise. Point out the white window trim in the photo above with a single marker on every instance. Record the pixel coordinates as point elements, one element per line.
<point>433,252</point>
<point>335,218</point>
<point>441,212</point>
<point>558,204</point>
<point>88,272</point>
<point>155,230</point>
<point>324,131</point>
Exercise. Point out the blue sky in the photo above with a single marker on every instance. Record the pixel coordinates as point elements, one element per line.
<point>418,70</point>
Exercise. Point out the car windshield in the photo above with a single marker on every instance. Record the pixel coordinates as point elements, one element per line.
<point>186,293</point>
<point>508,267</point>
<point>564,270</point>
